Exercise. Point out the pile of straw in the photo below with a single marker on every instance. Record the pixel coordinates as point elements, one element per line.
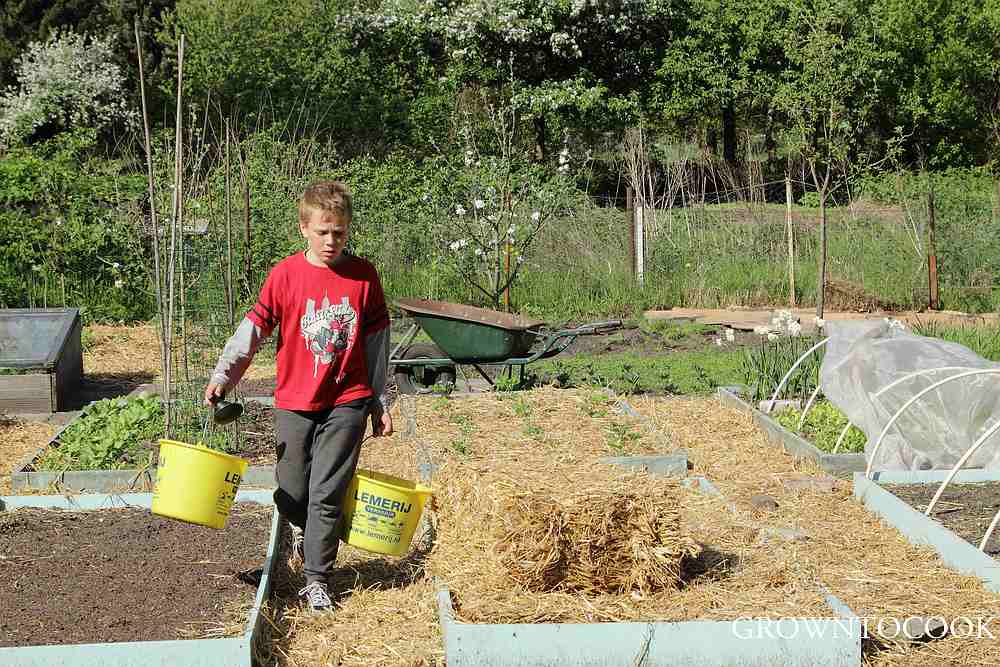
<point>596,542</point>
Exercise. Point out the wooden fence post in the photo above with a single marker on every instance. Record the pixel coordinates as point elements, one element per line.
<point>791,241</point>
<point>630,218</point>
<point>932,274</point>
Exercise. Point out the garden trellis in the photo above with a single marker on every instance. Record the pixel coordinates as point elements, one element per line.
<point>192,269</point>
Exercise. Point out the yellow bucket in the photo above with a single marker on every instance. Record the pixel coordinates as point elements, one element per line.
<point>381,512</point>
<point>196,484</point>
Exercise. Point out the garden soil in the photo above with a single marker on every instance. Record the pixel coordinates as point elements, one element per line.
<point>121,575</point>
<point>964,509</point>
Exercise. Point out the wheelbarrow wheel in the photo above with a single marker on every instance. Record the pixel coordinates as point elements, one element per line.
<point>424,379</point>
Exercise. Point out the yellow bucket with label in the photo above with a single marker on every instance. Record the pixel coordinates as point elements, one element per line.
<point>381,512</point>
<point>196,484</point>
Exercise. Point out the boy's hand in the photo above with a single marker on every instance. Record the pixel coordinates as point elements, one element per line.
<point>382,424</point>
<point>214,392</point>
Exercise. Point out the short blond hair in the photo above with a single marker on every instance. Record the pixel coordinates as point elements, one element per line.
<point>328,196</point>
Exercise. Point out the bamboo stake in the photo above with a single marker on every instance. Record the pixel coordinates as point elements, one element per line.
<point>173,232</point>
<point>230,300</point>
<point>157,276</point>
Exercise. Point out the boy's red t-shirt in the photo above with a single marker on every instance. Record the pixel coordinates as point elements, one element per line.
<point>325,316</point>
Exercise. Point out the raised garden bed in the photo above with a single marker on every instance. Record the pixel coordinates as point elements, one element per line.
<point>964,509</point>
<point>746,641</point>
<point>98,580</point>
<point>135,468</point>
<point>841,465</point>
<point>41,359</point>
<point>977,491</point>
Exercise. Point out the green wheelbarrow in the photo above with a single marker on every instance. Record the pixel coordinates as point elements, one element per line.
<point>475,337</point>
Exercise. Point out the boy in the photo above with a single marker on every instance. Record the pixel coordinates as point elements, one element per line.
<point>333,351</point>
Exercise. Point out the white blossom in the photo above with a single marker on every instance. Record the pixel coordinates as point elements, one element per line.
<point>536,216</point>
<point>459,210</point>
<point>730,335</point>
<point>69,80</point>
<point>771,336</point>
<point>761,331</point>
<point>119,283</point>
<point>479,203</point>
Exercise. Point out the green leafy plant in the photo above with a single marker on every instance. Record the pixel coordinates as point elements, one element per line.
<point>822,427</point>
<point>596,404</point>
<point>467,428</point>
<point>621,438</point>
<point>109,434</point>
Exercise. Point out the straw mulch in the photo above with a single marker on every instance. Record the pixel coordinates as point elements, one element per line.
<point>476,491</point>
<point>19,439</point>
<point>386,607</point>
<point>130,355</point>
<point>596,542</point>
<point>123,351</point>
<point>868,565</point>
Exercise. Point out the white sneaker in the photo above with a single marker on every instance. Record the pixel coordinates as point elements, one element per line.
<point>317,595</point>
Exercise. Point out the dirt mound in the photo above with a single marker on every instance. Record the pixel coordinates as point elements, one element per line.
<point>848,296</point>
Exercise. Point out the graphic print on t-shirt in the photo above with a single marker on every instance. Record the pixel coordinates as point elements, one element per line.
<point>329,331</point>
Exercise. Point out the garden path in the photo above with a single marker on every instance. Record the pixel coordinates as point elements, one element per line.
<point>747,319</point>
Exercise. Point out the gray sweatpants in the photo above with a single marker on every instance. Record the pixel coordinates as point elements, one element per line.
<point>317,455</point>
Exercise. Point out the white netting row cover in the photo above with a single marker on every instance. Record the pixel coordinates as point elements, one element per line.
<point>862,358</point>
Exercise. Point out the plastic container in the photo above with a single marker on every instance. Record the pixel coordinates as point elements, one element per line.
<point>196,484</point>
<point>381,512</point>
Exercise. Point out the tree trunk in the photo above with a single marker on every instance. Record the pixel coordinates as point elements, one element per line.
<point>541,151</point>
<point>729,134</point>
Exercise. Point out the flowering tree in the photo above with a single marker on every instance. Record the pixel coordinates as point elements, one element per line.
<point>500,201</point>
<point>589,60</point>
<point>500,211</point>
<point>68,81</point>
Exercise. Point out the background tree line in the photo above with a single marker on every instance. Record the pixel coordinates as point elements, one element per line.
<point>837,91</point>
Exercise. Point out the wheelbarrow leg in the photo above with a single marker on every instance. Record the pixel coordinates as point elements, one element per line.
<point>483,373</point>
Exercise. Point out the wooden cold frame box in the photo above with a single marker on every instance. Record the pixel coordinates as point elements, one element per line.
<point>41,359</point>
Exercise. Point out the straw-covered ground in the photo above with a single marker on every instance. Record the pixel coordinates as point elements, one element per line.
<point>19,439</point>
<point>493,448</point>
<point>870,566</point>
<point>493,453</point>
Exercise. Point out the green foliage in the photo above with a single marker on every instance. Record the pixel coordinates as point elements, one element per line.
<point>108,434</point>
<point>765,366</point>
<point>68,234</point>
<point>984,341</point>
<point>689,373</point>
<point>467,428</point>
<point>620,438</point>
<point>822,427</point>
<point>283,56</point>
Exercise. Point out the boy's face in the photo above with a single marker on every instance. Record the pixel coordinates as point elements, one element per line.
<point>327,234</point>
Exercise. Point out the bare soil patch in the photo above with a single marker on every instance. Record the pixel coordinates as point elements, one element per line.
<point>964,509</point>
<point>123,575</point>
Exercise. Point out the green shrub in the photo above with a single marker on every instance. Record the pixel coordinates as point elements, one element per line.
<point>68,235</point>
